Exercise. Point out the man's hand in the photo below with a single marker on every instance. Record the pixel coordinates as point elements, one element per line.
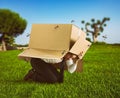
<point>71,62</point>
<point>70,55</point>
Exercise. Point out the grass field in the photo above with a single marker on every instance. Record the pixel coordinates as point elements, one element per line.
<point>99,79</point>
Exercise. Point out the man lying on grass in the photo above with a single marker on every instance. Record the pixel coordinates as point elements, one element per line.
<point>45,70</point>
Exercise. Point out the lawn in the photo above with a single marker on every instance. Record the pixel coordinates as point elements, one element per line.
<point>99,79</point>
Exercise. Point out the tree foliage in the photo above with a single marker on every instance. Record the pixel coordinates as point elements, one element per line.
<point>95,27</point>
<point>11,24</point>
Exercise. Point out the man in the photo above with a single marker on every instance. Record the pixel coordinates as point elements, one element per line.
<point>43,70</point>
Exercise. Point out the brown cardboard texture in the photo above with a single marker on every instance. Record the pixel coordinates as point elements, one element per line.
<point>53,41</point>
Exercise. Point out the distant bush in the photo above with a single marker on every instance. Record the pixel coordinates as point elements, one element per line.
<point>19,45</point>
<point>100,43</point>
<point>11,47</point>
<point>116,44</point>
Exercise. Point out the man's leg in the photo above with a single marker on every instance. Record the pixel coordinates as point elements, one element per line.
<point>45,72</point>
<point>61,74</point>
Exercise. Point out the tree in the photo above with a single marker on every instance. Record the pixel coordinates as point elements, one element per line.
<point>9,40</point>
<point>11,25</point>
<point>95,27</point>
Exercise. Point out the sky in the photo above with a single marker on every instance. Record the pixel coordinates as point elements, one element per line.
<point>63,11</point>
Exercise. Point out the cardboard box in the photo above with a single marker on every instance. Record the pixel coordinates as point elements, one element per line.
<point>53,41</point>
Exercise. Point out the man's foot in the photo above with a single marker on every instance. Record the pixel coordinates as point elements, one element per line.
<point>29,75</point>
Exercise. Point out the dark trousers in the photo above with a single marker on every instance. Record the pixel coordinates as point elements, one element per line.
<point>46,73</point>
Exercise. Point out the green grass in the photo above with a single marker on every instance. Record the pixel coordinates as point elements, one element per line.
<point>99,79</point>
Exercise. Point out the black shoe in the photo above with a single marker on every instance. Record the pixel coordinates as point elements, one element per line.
<point>29,75</point>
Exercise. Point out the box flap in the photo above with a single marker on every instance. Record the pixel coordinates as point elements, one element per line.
<point>80,47</point>
<point>39,53</point>
<point>50,36</point>
<point>75,33</point>
<point>82,34</point>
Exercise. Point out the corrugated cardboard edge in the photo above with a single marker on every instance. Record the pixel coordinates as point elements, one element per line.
<point>37,53</point>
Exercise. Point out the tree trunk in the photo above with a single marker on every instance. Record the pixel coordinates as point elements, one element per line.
<point>94,39</point>
<point>3,44</point>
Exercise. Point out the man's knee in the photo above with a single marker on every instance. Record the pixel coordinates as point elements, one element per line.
<point>46,72</point>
